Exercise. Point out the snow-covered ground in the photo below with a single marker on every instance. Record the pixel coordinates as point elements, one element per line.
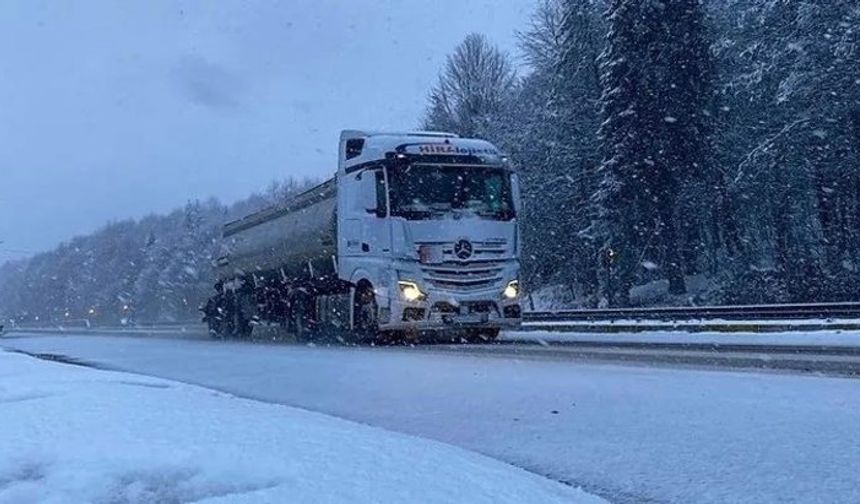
<point>630,434</point>
<point>76,435</point>
<point>793,338</point>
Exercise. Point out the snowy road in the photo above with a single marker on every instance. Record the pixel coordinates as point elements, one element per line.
<point>71,434</point>
<point>631,434</point>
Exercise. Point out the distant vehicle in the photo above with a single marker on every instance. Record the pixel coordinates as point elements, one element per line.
<point>416,232</point>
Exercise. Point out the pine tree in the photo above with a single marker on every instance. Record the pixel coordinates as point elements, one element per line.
<point>681,71</point>
<point>624,217</point>
<point>654,72</point>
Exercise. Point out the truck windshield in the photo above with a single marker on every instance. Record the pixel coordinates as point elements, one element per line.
<point>425,191</point>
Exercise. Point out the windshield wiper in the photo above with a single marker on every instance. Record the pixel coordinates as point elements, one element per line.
<point>441,207</point>
<point>503,214</point>
<point>413,213</point>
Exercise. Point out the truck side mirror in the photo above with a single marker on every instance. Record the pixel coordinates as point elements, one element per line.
<point>354,147</point>
<point>516,193</point>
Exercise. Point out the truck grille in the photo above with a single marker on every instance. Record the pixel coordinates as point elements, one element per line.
<point>482,270</point>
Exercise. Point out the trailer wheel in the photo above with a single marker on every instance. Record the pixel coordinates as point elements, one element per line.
<point>216,327</point>
<point>242,326</point>
<point>365,313</point>
<point>299,319</point>
<point>234,323</point>
<point>242,315</point>
<point>212,317</point>
<point>228,318</point>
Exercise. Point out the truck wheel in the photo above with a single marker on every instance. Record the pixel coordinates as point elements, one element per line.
<point>299,320</point>
<point>365,313</point>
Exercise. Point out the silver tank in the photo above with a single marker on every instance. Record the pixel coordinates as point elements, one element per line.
<point>296,238</point>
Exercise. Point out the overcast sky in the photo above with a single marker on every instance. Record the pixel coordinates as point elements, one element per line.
<point>115,109</point>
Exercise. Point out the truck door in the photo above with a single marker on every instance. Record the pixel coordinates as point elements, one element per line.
<point>367,232</point>
<point>375,230</point>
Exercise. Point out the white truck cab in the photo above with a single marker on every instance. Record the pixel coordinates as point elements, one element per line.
<point>428,221</point>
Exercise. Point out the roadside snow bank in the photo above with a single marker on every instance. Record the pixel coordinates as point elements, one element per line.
<point>75,434</point>
<point>789,339</point>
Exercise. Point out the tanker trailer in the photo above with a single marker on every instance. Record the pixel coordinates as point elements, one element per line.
<point>276,261</point>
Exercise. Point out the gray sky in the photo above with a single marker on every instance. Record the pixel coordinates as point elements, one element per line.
<point>114,109</point>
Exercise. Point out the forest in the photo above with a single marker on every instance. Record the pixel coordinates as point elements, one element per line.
<point>671,141</point>
<point>155,269</point>
<point>710,150</point>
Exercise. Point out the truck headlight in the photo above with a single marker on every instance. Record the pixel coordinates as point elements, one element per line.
<point>512,290</point>
<point>410,291</point>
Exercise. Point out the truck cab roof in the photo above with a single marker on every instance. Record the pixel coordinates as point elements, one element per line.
<point>358,148</point>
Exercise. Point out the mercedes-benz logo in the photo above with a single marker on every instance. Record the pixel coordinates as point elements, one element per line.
<point>463,249</point>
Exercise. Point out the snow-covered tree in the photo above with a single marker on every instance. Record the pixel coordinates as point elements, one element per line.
<point>155,269</point>
<point>790,95</point>
<point>655,74</point>
<point>472,88</point>
<point>554,140</point>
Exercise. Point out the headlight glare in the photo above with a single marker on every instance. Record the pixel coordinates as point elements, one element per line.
<point>410,291</point>
<point>512,290</point>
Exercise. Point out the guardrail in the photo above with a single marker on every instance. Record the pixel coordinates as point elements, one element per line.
<point>849,310</point>
<point>668,316</point>
<point>90,325</point>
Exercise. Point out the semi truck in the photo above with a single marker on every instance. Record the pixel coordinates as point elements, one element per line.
<point>416,233</point>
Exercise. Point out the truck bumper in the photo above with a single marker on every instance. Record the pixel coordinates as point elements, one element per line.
<point>443,311</point>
